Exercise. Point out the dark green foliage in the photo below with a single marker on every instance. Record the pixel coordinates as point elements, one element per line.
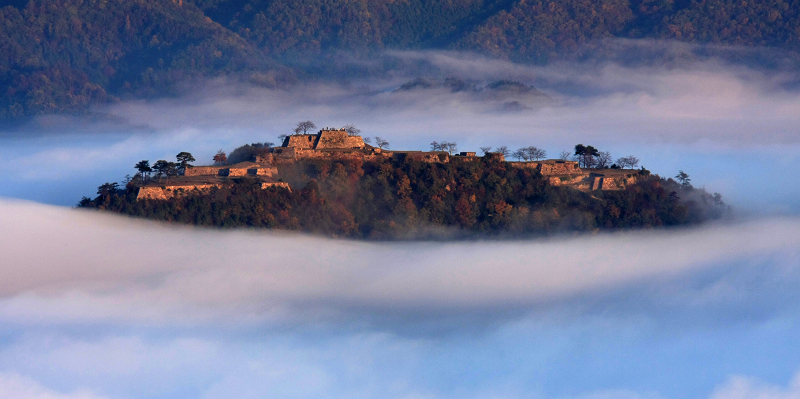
<point>63,55</point>
<point>411,199</point>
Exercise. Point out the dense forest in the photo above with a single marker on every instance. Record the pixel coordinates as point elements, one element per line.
<point>409,199</point>
<point>63,55</point>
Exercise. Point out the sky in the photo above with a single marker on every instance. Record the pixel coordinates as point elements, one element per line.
<point>101,306</point>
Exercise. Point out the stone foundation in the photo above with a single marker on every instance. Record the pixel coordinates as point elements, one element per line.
<point>167,192</point>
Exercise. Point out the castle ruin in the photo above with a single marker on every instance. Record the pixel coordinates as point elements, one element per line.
<point>335,144</point>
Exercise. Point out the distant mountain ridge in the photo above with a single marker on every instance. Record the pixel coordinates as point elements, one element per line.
<point>63,55</point>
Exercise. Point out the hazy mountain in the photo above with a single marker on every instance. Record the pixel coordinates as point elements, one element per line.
<point>62,55</point>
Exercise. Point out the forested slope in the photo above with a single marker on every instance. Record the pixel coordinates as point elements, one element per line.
<point>62,55</point>
<point>409,199</point>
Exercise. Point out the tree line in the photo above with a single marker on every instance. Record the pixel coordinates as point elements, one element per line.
<point>409,199</point>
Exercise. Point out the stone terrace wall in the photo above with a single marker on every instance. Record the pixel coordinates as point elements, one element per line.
<point>278,184</point>
<point>203,171</point>
<point>338,139</point>
<point>268,172</point>
<point>600,182</point>
<point>429,156</point>
<point>167,192</point>
<point>550,168</point>
<point>301,141</point>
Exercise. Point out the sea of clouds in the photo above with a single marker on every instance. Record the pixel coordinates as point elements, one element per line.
<point>102,306</point>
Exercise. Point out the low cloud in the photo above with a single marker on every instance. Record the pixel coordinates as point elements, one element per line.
<point>731,126</point>
<point>72,266</point>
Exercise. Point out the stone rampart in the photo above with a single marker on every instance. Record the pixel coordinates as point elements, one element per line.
<point>550,167</point>
<point>606,183</point>
<point>167,192</point>
<point>338,139</point>
<point>423,156</point>
<point>203,171</point>
<point>266,172</point>
<point>276,184</point>
<point>301,141</point>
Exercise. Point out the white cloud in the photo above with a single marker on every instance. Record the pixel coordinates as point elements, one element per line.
<point>14,386</point>
<point>65,265</point>
<point>740,387</point>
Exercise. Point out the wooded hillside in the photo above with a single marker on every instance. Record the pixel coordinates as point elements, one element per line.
<point>62,55</point>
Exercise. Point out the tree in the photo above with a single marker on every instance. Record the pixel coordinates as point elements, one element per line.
<point>269,144</point>
<point>367,140</point>
<point>144,169</point>
<point>603,159</point>
<point>532,153</point>
<point>502,150</point>
<point>106,190</point>
<point>220,158</point>
<point>381,143</point>
<point>304,127</point>
<point>164,168</point>
<point>184,158</point>
<point>520,154</point>
<point>449,146</point>
<point>435,146</point>
<point>586,154</point>
<point>282,138</point>
<point>486,150</point>
<point>352,130</point>
<point>684,179</point>
<point>629,162</point>
<point>538,153</point>
<point>564,156</point>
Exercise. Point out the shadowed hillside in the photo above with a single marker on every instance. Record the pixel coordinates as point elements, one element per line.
<point>64,55</point>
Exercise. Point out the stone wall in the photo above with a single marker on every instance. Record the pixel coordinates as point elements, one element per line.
<point>300,141</point>
<point>167,192</point>
<point>423,156</point>
<point>550,167</point>
<point>338,139</point>
<point>203,171</point>
<point>276,184</point>
<point>325,139</point>
<point>601,182</point>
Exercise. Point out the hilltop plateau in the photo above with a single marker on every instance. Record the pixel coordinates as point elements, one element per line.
<point>335,183</point>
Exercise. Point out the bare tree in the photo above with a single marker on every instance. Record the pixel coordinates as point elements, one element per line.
<point>282,138</point>
<point>352,130</point>
<point>629,162</point>
<point>603,159</point>
<point>304,127</point>
<point>520,154</point>
<point>565,155</point>
<point>532,153</point>
<point>367,140</point>
<point>486,150</point>
<point>381,143</point>
<point>450,147</point>
<point>502,150</point>
<point>436,146</point>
